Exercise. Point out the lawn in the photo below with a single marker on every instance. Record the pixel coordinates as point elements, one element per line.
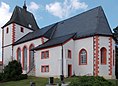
<point>38,81</point>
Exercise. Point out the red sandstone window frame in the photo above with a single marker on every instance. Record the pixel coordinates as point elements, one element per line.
<point>103,53</point>
<point>45,54</point>
<point>80,59</point>
<point>43,68</point>
<point>7,30</point>
<point>22,29</point>
<point>113,57</point>
<point>69,54</point>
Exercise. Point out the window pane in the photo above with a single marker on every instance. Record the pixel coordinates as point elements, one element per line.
<point>47,54</point>
<point>47,68</point>
<point>83,57</point>
<point>19,55</point>
<point>42,69</point>
<point>42,55</point>
<point>25,58</point>
<point>31,58</point>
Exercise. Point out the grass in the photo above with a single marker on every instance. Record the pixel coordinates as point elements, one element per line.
<point>39,82</point>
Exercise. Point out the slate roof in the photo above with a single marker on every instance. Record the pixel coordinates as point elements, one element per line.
<point>55,41</point>
<point>89,23</point>
<point>23,17</point>
<point>44,32</point>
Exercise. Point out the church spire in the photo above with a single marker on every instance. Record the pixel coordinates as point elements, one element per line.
<point>25,7</point>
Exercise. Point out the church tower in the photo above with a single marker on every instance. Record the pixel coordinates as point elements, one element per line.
<point>21,23</point>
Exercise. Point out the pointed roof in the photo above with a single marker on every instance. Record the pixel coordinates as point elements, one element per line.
<point>89,23</point>
<point>24,18</point>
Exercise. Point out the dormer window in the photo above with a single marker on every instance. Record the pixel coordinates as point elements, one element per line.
<point>7,30</point>
<point>30,26</point>
<point>22,29</point>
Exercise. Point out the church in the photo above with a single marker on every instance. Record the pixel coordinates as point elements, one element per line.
<point>80,45</point>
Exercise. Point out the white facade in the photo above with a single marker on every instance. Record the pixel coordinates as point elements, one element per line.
<point>78,57</point>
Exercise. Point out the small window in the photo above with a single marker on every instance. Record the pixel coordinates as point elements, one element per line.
<point>7,30</point>
<point>83,57</point>
<point>69,54</point>
<point>103,55</point>
<point>45,68</point>
<point>44,54</point>
<point>22,29</point>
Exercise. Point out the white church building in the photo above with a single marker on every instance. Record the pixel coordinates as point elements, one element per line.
<point>80,45</point>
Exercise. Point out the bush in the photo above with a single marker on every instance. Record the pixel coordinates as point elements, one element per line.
<point>1,76</point>
<point>90,81</point>
<point>13,72</point>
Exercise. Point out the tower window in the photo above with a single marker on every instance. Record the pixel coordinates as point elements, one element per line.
<point>22,29</point>
<point>7,30</point>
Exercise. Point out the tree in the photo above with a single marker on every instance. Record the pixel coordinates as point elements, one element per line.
<point>116,39</point>
<point>12,71</point>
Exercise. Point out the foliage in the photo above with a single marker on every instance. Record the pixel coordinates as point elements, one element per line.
<point>116,39</point>
<point>13,72</point>
<point>1,76</point>
<point>90,81</point>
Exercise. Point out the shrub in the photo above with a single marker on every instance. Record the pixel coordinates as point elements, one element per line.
<point>1,76</point>
<point>13,71</point>
<point>90,81</point>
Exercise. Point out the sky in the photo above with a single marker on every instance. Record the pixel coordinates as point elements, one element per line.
<point>47,12</point>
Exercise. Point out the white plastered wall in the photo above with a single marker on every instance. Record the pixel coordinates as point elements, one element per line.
<point>18,33</point>
<point>104,69</point>
<point>54,61</point>
<point>67,61</point>
<point>87,44</point>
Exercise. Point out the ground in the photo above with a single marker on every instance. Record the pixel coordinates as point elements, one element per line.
<point>38,81</point>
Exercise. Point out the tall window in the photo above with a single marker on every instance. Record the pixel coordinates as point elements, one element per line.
<point>103,55</point>
<point>25,58</point>
<point>19,55</point>
<point>69,54</point>
<point>31,57</point>
<point>7,30</point>
<point>83,57</point>
<point>44,54</point>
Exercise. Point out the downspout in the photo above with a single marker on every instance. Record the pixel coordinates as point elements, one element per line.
<point>62,62</point>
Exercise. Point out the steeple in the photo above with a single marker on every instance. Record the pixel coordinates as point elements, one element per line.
<point>25,7</point>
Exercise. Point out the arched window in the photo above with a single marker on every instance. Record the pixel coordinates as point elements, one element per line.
<point>83,57</point>
<point>31,57</point>
<point>19,55</point>
<point>25,58</point>
<point>103,55</point>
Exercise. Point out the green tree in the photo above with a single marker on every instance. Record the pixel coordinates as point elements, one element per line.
<point>116,39</point>
<point>12,71</point>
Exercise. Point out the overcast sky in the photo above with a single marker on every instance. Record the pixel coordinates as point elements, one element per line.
<point>47,12</point>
